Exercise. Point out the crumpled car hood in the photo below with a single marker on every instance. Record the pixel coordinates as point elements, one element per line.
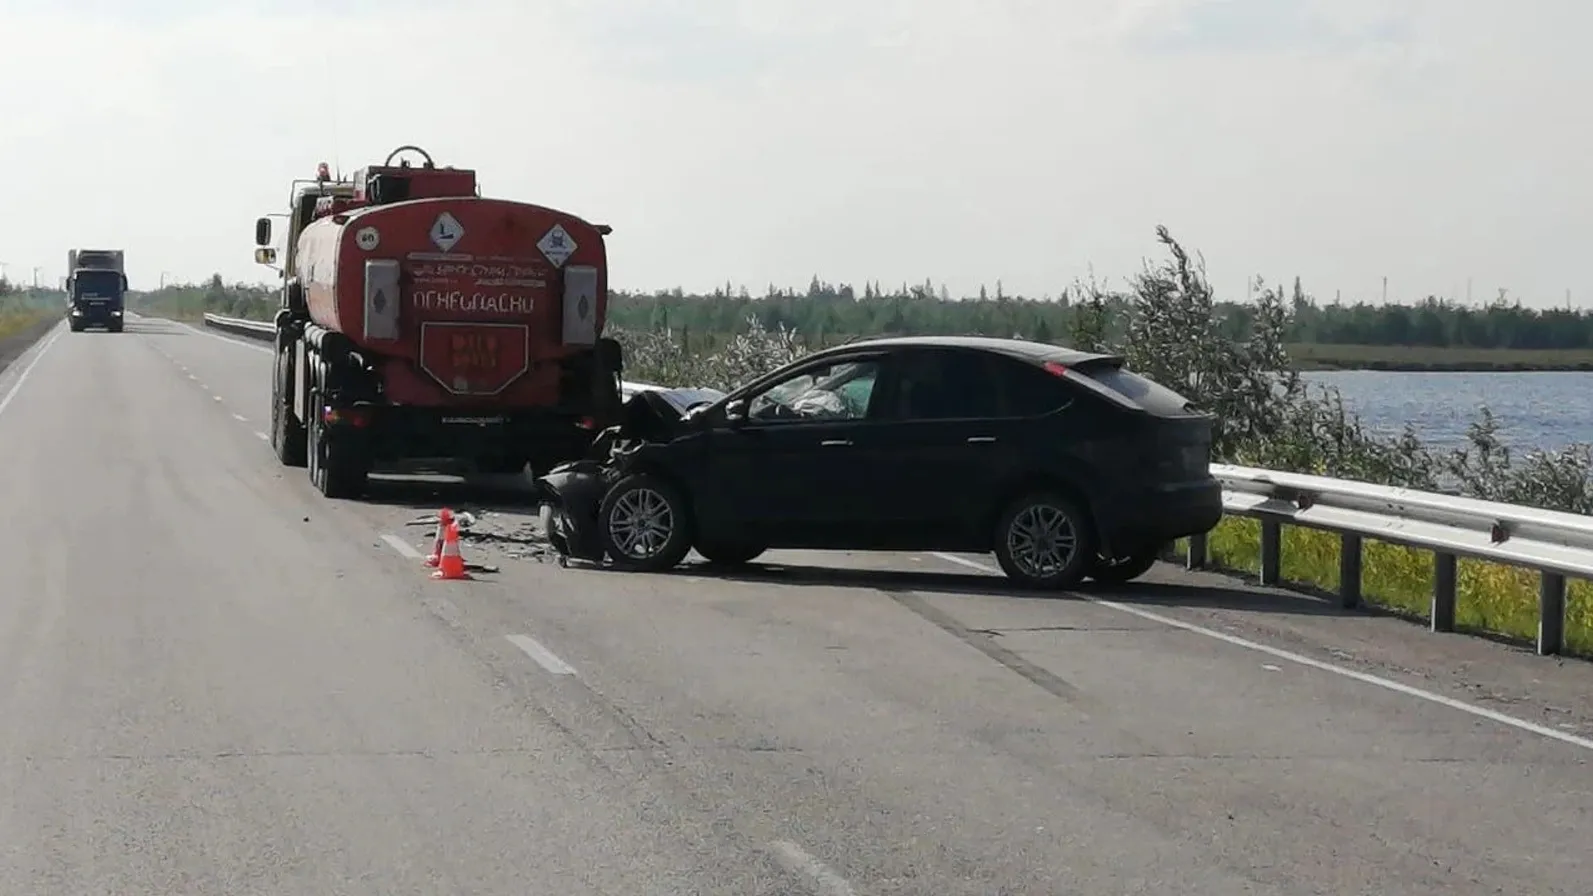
<point>658,415</point>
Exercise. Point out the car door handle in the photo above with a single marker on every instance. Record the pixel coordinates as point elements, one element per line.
<point>836,443</point>
<point>977,440</point>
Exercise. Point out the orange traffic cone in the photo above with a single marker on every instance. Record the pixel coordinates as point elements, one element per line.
<point>450,564</point>
<point>444,518</point>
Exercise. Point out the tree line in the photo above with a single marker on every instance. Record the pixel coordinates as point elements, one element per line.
<point>826,312</point>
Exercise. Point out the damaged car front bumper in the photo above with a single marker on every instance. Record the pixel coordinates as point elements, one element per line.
<point>570,496</point>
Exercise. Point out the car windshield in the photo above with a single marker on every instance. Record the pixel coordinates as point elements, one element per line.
<point>98,284</point>
<point>842,390</point>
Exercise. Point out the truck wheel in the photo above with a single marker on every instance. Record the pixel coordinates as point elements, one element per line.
<point>288,438</point>
<point>77,326</point>
<point>114,326</point>
<point>644,524</point>
<point>1045,540</point>
<point>338,468</point>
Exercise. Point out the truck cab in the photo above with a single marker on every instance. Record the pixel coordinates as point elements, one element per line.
<point>306,195</point>
<point>96,290</point>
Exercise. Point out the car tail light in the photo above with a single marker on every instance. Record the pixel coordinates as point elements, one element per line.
<point>1055,368</point>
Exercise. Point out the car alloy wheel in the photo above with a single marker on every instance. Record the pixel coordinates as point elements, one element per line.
<point>1045,541</point>
<point>644,525</point>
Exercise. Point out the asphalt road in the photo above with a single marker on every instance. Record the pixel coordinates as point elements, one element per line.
<point>215,681</point>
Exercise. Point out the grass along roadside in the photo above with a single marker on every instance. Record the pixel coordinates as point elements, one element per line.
<point>20,329</point>
<point>1489,598</point>
<point>16,321</point>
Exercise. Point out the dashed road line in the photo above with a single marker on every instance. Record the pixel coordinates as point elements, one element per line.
<point>402,546</point>
<point>1313,663</point>
<point>262,437</point>
<point>799,862</point>
<point>541,655</point>
<point>240,418</point>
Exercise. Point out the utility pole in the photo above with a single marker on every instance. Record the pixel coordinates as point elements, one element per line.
<point>1385,290</point>
<point>163,276</point>
<point>36,271</point>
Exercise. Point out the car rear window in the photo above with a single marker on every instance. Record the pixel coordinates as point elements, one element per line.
<point>1147,394</point>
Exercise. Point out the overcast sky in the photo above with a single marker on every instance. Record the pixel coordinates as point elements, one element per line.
<point>1428,141</point>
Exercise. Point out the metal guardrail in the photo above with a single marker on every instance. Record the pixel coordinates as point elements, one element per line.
<point>253,329</point>
<point>1556,545</point>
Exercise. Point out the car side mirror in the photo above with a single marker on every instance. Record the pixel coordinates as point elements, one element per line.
<point>262,232</point>
<point>736,413</point>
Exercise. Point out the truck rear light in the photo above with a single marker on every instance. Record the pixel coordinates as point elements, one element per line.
<point>580,304</point>
<point>587,423</point>
<point>355,417</point>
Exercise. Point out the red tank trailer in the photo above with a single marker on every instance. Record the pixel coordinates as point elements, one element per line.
<point>420,320</point>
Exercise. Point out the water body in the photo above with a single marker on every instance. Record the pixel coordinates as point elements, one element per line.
<point>1534,410</point>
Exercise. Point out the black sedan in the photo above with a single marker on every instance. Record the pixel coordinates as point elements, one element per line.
<point>1063,464</point>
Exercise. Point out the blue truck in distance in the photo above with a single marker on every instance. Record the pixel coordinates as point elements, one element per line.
<point>96,289</point>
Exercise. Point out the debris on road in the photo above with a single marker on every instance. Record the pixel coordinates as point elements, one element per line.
<point>515,535</point>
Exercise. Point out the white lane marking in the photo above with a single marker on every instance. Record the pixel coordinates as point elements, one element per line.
<point>797,861</point>
<point>402,546</point>
<point>204,332</point>
<point>971,564</point>
<point>262,437</point>
<point>541,655</point>
<point>1302,660</point>
<point>23,376</point>
<point>216,397</point>
<point>240,418</point>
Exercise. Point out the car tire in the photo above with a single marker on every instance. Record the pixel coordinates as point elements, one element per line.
<point>1127,568</point>
<point>654,504</point>
<point>1036,517</point>
<point>726,553</point>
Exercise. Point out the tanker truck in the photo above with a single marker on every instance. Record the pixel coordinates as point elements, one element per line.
<point>96,288</point>
<point>421,321</point>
